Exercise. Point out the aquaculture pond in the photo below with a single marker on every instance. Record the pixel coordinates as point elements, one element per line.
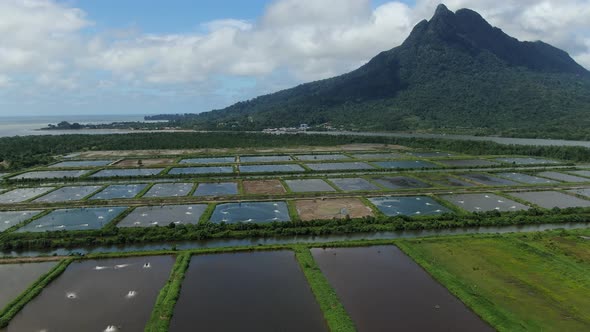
<point>581,173</point>
<point>73,219</point>
<point>377,156</point>
<point>250,212</point>
<point>149,216</point>
<point>489,180</point>
<point>264,159</point>
<point>107,173</point>
<point>287,168</point>
<point>400,182</point>
<point>445,180</point>
<point>384,290</point>
<point>563,177</point>
<point>484,202</point>
<point>12,218</point>
<point>408,206</point>
<point>339,166</point>
<point>264,187</point>
<point>467,162</point>
<point>213,160</point>
<point>217,189</point>
<point>311,157</point>
<point>82,163</point>
<point>202,170</point>
<point>434,154</point>
<point>309,185</point>
<point>353,184</point>
<point>117,191</point>
<point>66,194</point>
<point>551,199</point>
<point>528,179</point>
<point>169,190</point>
<point>97,295</point>
<point>255,291</point>
<point>332,208</point>
<point>526,161</point>
<point>22,194</point>
<point>405,164</point>
<point>50,175</point>
<point>582,192</point>
<point>15,278</point>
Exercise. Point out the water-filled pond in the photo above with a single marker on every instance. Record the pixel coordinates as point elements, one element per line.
<point>150,216</point>
<point>408,206</point>
<point>169,190</point>
<point>66,194</point>
<point>484,202</point>
<point>97,295</point>
<point>287,168</point>
<point>107,173</point>
<point>50,174</point>
<point>82,163</point>
<point>467,162</point>
<point>202,170</point>
<point>384,290</point>
<point>73,219</point>
<point>309,185</point>
<point>250,212</point>
<point>377,156</point>
<point>581,173</point>
<point>22,194</point>
<point>117,191</point>
<point>344,166</point>
<point>264,159</point>
<point>311,157</point>
<point>353,184</point>
<point>406,164</point>
<point>15,278</point>
<point>11,218</point>
<point>563,177</point>
<point>211,160</point>
<point>551,199</point>
<point>526,161</point>
<point>217,189</point>
<point>488,180</point>
<point>255,291</point>
<point>525,178</point>
<point>583,192</point>
<point>433,154</point>
<point>400,182</point>
<point>445,180</point>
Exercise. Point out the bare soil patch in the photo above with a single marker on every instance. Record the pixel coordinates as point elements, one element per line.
<point>332,208</point>
<point>145,162</point>
<point>267,187</point>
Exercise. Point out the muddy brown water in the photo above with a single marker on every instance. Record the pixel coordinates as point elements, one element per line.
<point>261,291</point>
<point>15,278</point>
<point>94,295</point>
<point>384,290</point>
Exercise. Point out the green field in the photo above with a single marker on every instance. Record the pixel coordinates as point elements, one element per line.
<point>520,282</point>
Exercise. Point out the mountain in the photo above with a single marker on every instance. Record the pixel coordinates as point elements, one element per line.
<point>455,72</point>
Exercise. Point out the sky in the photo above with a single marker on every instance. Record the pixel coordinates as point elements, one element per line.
<point>77,57</point>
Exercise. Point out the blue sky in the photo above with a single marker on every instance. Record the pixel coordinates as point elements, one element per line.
<point>185,56</point>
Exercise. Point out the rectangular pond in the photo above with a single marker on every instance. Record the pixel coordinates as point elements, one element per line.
<point>353,184</point>
<point>401,182</point>
<point>118,191</point>
<point>22,194</point>
<point>377,156</point>
<point>312,157</point>
<point>405,164</point>
<point>384,290</point>
<point>309,185</point>
<point>150,216</point>
<point>445,180</point>
<point>261,291</point>
<point>563,177</point>
<point>209,160</point>
<point>16,278</point>
<point>488,180</point>
<point>431,154</point>
<point>50,175</point>
<point>73,219</point>
<point>528,179</point>
<point>264,159</point>
<point>345,166</point>
<point>551,199</point>
<point>582,192</point>
<point>408,206</point>
<point>97,295</point>
<point>82,163</point>
<point>169,190</point>
<point>287,168</point>
<point>12,218</point>
<point>333,208</point>
<point>484,202</point>
<point>216,189</point>
<point>250,212</point>
<point>264,187</point>
<point>581,173</point>
<point>467,162</point>
<point>526,161</point>
<point>202,170</point>
<point>67,194</point>
<point>131,172</point>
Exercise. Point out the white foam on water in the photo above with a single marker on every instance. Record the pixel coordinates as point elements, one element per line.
<point>131,294</point>
<point>147,265</point>
<point>100,267</point>
<point>120,266</point>
<point>71,295</point>
<point>111,328</point>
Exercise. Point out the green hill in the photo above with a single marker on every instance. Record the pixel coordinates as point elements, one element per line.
<point>454,73</point>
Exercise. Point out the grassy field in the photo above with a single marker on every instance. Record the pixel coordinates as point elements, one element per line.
<point>520,282</point>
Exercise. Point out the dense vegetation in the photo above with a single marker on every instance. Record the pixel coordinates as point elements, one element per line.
<point>453,73</point>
